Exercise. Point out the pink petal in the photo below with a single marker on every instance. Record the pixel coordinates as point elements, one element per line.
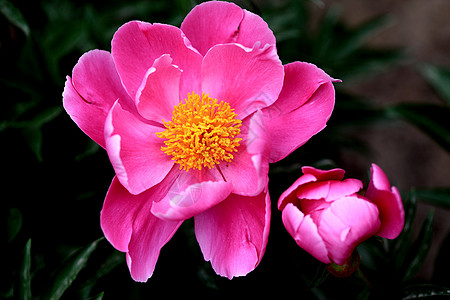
<point>305,233</point>
<point>136,45</point>
<point>389,203</point>
<point>89,95</point>
<point>253,29</point>
<point>290,195</point>
<point>313,206</point>
<point>233,235</point>
<point>250,166</point>
<point>347,223</point>
<point>118,213</point>
<point>330,189</point>
<point>150,234</point>
<point>212,23</point>
<point>135,151</point>
<point>159,92</point>
<point>189,195</point>
<point>129,227</point>
<point>302,110</point>
<point>248,79</point>
<point>322,175</point>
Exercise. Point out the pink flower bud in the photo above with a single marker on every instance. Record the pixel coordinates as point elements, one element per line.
<point>327,216</point>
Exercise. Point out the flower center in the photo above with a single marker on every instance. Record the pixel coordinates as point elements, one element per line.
<point>202,132</point>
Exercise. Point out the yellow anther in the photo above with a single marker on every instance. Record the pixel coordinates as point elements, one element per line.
<point>202,132</point>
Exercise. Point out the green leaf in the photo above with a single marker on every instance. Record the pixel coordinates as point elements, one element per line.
<point>401,245</point>
<point>431,119</point>
<point>110,263</point>
<point>438,78</point>
<point>14,16</point>
<point>424,291</point>
<point>357,37</point>
<point>323,44</point>
<point>321,275</point>
<point>24,275</point>
<point>69,271</point>
<point>98,297</point>
<point>13,223</point>
<point>32,128</point>
<point>435,196</point>
<point>419,249</point>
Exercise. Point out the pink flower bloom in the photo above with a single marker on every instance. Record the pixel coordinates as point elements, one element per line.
<point>327,216</point>
<point>190,118</point>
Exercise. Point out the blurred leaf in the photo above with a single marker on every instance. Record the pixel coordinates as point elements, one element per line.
<point>402,243</point>
<point>32,128</point>
<point>431,119</point>
<point>364,295</point>
<point>410,212</point>
<point>13,223</point>
<point>322,274</point>
<point>24,275</point>
<point>111,262</point>
<point>424,291</point>
<point>438,78</point>
<point>435,196</point>
<point>69,271</point>
<point>14,16</point>
<point>419,249</point>
<point>360,35</point>
<point>323,43</point>
<point>365,63</point>
<point>98,297</point>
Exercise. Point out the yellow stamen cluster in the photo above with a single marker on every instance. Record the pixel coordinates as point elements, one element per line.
<point>202,132</point>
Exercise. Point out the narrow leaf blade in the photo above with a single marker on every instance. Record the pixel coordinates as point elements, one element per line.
<point>14,16</point>
<point>70,270</point>
<point>419,249</point>
<point>438,78</point>
<point>24,275</point>
<point>425,291</point>
<point>435,196</point>
<point>431,119</point>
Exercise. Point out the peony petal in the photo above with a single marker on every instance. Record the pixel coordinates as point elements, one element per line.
<point>322,175</point>
<point>347,223</point>
<point>248,79</point>
<point>136,45</point>
<point>212,23</point>
<point>233,234</point>
<point>191,193</point>
<point>302,110</point>
<point>250,166</point>
<point>313,207</point>
<point>305,233</point>
<point>90,94</point>
<point>389,203</point>
<point>135,151</point>
<point>150,234</point>
<point>118,213</point>
<point>216,22</point>
<point>159,92</point>
<point>253,29</point>
<point>330,189</point>
<point>129,227</point>
<point>290,195</point>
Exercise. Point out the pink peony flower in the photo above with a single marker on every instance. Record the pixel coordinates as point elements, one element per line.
<point>190,118</point>
<point>328,218</point>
